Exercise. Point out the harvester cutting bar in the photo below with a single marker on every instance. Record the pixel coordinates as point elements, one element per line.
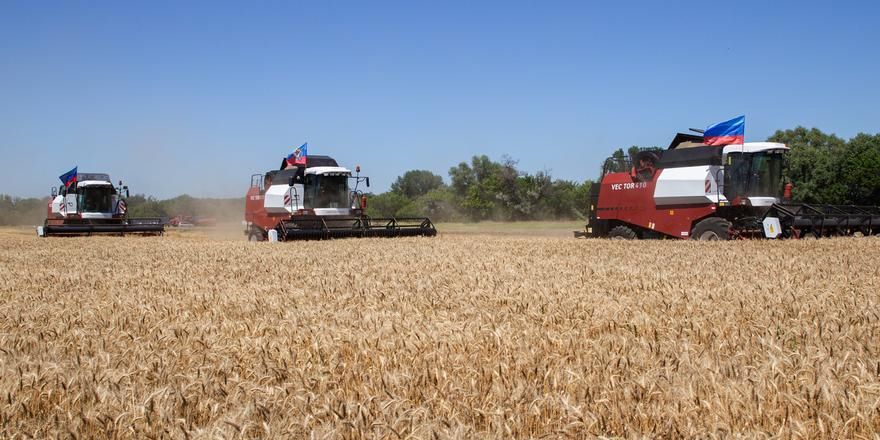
<point>399,227</point>
<point>828,219</point>
<point>320,228</point>
<point>143,226</point>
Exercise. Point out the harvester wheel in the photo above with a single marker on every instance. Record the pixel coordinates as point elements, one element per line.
<point>255,236</point>
<point>622,233</point>
<point>712,228</point>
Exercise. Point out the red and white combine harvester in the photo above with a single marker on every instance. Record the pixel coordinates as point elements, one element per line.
<point>313,201</point>
<point>693,190</point>
<point>90,204</point>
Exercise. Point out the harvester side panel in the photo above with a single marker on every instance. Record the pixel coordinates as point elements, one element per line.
<point>631,202</point>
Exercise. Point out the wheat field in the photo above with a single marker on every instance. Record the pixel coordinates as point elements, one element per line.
<point>460,336</point>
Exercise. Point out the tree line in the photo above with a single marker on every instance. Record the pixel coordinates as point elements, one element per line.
<point>823,168</point>
<point>482,189</point>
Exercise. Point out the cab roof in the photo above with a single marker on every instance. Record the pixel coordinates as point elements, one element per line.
<point>754,147</point>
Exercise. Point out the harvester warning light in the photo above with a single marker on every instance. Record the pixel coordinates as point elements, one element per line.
<point>671,212</point>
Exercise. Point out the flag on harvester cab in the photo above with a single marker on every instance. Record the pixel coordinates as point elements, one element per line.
<point>68,178</point>
<point>298,157</point>
<point>732,132</point>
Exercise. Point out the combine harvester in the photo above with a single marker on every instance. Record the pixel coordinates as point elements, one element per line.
<point>311,200</point>
<point>88,203</point>
<point>709,192</point>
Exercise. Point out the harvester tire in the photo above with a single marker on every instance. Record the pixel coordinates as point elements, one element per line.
<point>622,233</point>
<point>712,228</point>
<point>256,236</point>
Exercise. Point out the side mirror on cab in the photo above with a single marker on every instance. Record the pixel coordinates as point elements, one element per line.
<point>54,192</point>
<point>125,188</point>
<point>368,182</point>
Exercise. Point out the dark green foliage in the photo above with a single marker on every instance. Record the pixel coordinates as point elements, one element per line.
<point>861,170</point>
<point>416,183</point>
<point>826,169</point>
<point>485,190</point>
<point>390,204</point>
<point>140,205</point>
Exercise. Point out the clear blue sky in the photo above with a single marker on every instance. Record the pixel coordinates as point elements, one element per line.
<point>193,97</point>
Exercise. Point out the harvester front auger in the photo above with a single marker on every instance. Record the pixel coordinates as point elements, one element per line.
<point>139,226</point>
<point>322,228</point>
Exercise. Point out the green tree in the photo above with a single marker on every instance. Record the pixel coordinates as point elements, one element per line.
<point>861,170</point>
<point>617,163</point>
<point>476,186</point>
<point>140,205</point>
<point>390,204</point>
<point>439,204</point>
<point>814,164</point>
<point>181,205</point>
<point>416,183</point>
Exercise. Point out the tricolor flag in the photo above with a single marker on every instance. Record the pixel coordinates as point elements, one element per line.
<point>298,157</point>
<point>68,178</point>
<point>732,132</point>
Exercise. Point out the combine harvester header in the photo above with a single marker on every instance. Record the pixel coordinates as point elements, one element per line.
<point>705,188</point>
<point>309,198</point>
<point>88,203</point>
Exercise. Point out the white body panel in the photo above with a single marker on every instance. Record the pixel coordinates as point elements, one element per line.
<point>283,198</point>
<point>753,147</point>
<point>763,201</point>
<point>332,211</point>
<point>341,171</point>
<point>93,183</point>
<point>56,204</point>
<point>97,215</point>
<point>688,186</point>
<point>70,204</point>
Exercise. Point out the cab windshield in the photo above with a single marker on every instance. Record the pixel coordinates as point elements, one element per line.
<point>94,198</point>
<point>753,174</point>
<point>326,191</point>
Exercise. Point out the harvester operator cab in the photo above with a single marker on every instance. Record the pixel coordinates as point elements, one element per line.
<point>754,172</point>
<point>326,189</point>
<point>92,196</point>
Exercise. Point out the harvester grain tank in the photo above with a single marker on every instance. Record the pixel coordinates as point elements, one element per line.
<point>314,201</point>
<point>692,190</point>
<point>93,205</point>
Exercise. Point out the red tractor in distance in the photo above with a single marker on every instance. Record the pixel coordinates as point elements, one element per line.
<point>314,202</point>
